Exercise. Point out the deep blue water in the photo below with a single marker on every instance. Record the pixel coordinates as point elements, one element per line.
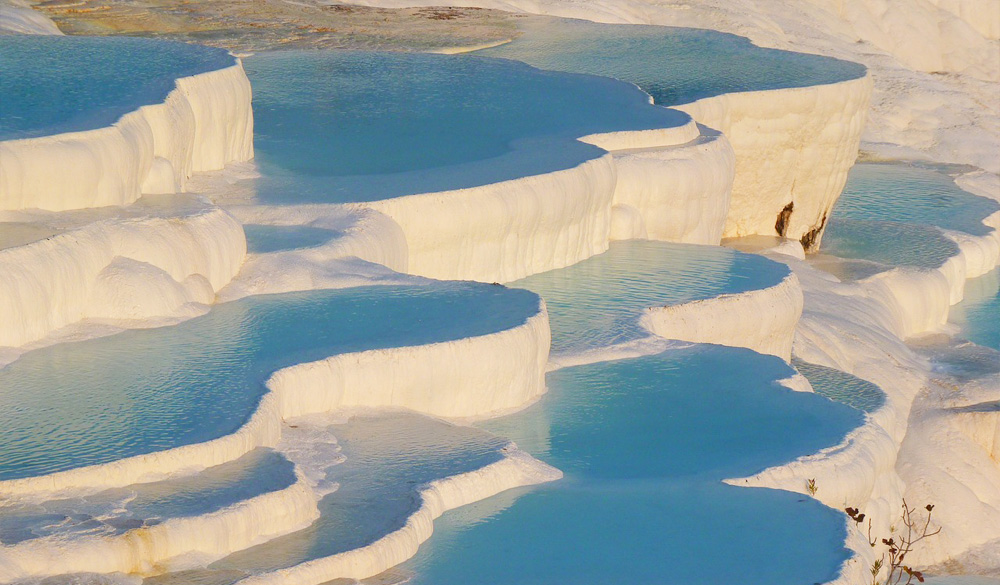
<point>140,391</point>
<point>597,303</point>
<point>674,65</point>
<point>644,443</point>
<point>340,126</point>
<point>54,84</point>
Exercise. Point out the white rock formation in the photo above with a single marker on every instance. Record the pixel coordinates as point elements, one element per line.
<point>677,194</point>
<point>17,17</point>
<point>124,269</point>
<point>170,545</point>
<point>204,123</point>
<point>793,148</point>
<point>762,320</point>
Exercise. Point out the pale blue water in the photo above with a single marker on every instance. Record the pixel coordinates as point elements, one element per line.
<point>841,386</point>
<point>340,126</point>
<point>389,457</point>
<point>889,213</point>
<point>118,510</point>
<point>140,391</point>
<point>598,302</point>
<point>54,84</point>
<point>262,239</point>
<point>674,65</point>
<point>904,193</point>
<point>978,314</point>
<point>644,443</point>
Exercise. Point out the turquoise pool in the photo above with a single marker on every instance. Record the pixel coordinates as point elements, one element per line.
<point>889,215</point>
<point>674,65</point>
<point>341,126</point>
<point>644,444</point>
<point>263,239</point>
<point>55,84</point>
<point>597,303</point>
<point>77,404</point>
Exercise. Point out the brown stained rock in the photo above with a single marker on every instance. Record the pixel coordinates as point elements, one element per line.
<point>784,216</point>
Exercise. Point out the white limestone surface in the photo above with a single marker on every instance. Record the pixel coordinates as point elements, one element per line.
<point>17,17</point>
<point>204,123</point>
<point>674,194</point>
<point>174,544</point>
<point>793,146</point>
<point>505,231</point>
<point>124,269</point>
<point>762,320</point>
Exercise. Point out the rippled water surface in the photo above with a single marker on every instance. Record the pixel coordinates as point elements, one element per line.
<point>889,215</point>
<point>842,387</point>
<point>674,65</point>
<point>118,510</point>
<point>53,84</point>
<point>644,444</point>
<point>139,391</point>
<point>598,302</point>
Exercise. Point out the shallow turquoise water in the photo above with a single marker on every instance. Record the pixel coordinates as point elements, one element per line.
<point>978,314</point>
<point>644,443</point>
<point>54,84</point>
<point>908,194</point>
<point>889,214</point>
<point>118,510</point>
<point>140,391</point>
<point>388,458</point>
<point>263,239</point>
<point>674,65</point>
<point>598,302</point>
<point>841,387</point>
<point>341,126</point>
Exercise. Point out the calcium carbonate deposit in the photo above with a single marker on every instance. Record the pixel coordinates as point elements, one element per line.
<point>611,291</point>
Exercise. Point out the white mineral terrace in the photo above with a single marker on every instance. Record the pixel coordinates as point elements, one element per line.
<point>728,172</point>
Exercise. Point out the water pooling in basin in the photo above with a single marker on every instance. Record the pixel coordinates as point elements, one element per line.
<point>356,126</point>
<point>77,404</point>
<point>388,458</point>
<point>116,511</point>
<point>841,387</point>
<point>597,303</point>
<point>674,65</point>
<point>889,215</point>
<point>263,239</point>
<point>54,84</point>
<point>644,444</point>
